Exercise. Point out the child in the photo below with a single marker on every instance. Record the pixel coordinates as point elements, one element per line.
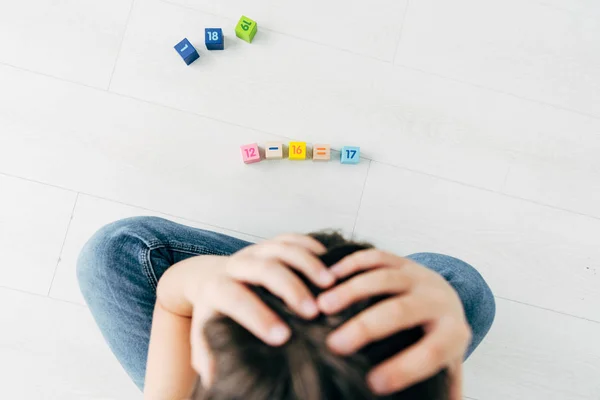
<point>203,274</point>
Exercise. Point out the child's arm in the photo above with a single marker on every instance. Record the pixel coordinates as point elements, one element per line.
<point>169,373</point>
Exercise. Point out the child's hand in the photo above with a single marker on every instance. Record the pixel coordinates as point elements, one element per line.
<point>268,265</point>
<point>420,297</point>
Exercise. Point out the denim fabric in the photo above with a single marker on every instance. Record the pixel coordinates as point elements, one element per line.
<point>120,266</point>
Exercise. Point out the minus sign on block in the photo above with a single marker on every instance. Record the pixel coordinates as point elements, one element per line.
<point>273,150</point>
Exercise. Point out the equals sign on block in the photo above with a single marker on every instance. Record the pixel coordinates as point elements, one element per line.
<point>273,151</point>
<point>321,152</point>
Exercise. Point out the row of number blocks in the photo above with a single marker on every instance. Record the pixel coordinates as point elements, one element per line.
<point>297,151</point>
<point>245,29</point>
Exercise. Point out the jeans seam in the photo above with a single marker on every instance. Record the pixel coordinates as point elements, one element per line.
<point>148,269</point>
<point>173,246</point>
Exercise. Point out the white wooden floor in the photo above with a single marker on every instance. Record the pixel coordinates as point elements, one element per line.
<point>479,123</point>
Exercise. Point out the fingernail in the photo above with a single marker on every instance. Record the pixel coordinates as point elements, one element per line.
<point>326,278</point>
<point>377,383</point>
<point>328,301</point>
<point>279,334</point>
<point>309,308</point>
<point>339,342</point>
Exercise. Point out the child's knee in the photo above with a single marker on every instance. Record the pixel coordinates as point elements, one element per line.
<point>107,250</point>
<point>477,297</point>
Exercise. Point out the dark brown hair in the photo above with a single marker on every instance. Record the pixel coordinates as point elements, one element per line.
<point>304,368</point>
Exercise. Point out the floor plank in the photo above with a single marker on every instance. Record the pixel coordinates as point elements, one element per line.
<point>535,354</point>
<point>542,50</point>
<point>552,180</point>
<point>33,225</point>
<point>76,40</point>
<point>53,350</point>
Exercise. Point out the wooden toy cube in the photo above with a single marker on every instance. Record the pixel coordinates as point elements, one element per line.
<point>321,152</point>
<point>246,29</point>
<point>297,150</point>
<point>187,51</point>
<point>213,38</point>
<point>250,153</point>
<point>350,155</point>
<point>273,150</point>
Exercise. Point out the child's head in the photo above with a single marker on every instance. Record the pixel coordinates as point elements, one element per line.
<point>304,368</point>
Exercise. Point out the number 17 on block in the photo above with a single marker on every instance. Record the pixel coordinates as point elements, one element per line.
<point>350,155</point>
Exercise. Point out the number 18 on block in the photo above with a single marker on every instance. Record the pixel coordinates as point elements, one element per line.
<point>213,38</point>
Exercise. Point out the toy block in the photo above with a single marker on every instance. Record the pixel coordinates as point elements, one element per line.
<point>297,150</point>
<point>187,51</point>
<point>246,29</point>
<point>321,152</point>
<point>250,153</point>
<point>213,38</point>
<point>273,150</point>
<point>350,155</point>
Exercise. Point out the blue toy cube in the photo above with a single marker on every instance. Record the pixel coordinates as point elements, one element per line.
<point>350,155</point>
<point>187,51</point>
<point>214,39</point>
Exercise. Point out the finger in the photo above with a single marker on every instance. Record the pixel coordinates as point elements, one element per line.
<point>236,301</point>
<point>301,260</point>
<point>380,321</point>
<point>281,281</point>
<point>456,380</point>
<point>307,242</point>
<point>418,362</point>
<point>366,259</point>
<point>368,284</point>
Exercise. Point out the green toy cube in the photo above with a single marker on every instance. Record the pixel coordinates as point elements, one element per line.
<point>246,29</point>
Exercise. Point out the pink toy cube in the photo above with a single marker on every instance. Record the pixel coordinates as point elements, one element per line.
<point>250,153</point>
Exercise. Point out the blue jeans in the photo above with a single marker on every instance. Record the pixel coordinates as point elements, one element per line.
<point>120,266</point>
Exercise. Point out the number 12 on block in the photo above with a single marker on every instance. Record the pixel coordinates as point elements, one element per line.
<point>250,153</point>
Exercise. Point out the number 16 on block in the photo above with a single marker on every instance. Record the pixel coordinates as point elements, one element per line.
<point>297,150</point>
